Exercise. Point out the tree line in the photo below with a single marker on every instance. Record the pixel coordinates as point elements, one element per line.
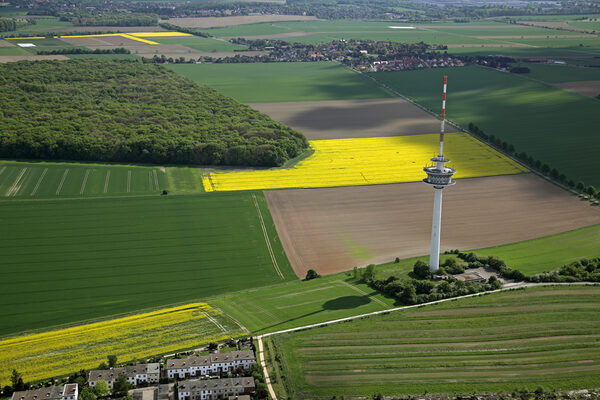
<point>126,111</point>
<point>109,19</point>
<point>8,24</point>
<point>535,164</point>
<point>79,50</point>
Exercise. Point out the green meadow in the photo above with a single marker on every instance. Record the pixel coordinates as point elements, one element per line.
<point>300,303</point>
<point>492,343</point>
<point>66,261</point>
<point>272,82</point>
<point>550,252</point>
<point>554,73</point>
<point>550,124</point>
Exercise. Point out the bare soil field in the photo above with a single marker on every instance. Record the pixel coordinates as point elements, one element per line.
<point>5,59</point>
<point>217,22</point>
<point>335,229</point>
<point>6,43</point>
<point>149,50</point>
<point>586,88</point>
<point>339,119</point>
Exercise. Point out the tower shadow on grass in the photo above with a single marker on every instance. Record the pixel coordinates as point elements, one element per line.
<point>340,303</point>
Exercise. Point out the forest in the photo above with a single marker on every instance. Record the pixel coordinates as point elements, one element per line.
<point>122,110</point>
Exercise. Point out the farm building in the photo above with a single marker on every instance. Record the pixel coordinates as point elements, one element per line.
<point>209,365</point>
<point>136,374</point>
<point>210,389</point>
<point>65,392</point>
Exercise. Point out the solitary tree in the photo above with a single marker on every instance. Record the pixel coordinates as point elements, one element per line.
<point>112,361</point>
<point>16,380</point>
<point>311,274</point>
<point>101,388</point>
<point>121,385</point>
<point>369,274</point>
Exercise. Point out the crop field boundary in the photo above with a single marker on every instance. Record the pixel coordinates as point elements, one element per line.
<point>512,287</point>
<point>457,126</point>
<point>265,234</point>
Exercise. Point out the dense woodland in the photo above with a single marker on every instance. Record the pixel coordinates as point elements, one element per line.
<point>127,111</point>
<point>7,24</point>
<point>108,19</point>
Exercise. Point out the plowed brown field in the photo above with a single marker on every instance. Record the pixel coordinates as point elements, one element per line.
<point>339,119</point>
<point>334,229</point>
<point>586,88</point>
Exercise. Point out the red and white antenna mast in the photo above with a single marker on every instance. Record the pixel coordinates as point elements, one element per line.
<point>439,176</point>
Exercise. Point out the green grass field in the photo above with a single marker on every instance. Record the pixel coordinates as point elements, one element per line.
<point>68,261</point>
<point>22,180</point>
<point>550,124</point>
<point>41,44</point>
<point>43,23</point>
<point>549,253</point>
<point>13,51</point>
<point>552,73</point>
<point>289,305</point>
<point>299,303</point>
<point>528,338</point>
<point>273,82</point>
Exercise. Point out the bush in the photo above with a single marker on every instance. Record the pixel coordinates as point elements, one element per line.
<point>311,274</point>
<point>421,270</point>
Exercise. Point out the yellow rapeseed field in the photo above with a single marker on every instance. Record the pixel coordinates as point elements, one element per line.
<point>62,351</point>
<point>350,162</point>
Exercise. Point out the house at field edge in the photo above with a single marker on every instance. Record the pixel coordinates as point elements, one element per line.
<point>136,374</point>
<point>212,389</point>
<point>211,364</point>
<point>66,392</point>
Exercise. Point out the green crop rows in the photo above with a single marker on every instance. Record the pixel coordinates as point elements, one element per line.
<point>22,180</point>
<point>282,81</point>
<point>535,337</point>
<point>71,260</point>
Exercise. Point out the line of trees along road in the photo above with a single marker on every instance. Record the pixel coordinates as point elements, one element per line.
<point>121,110</point>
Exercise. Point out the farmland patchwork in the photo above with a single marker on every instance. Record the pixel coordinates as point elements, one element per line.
<point>369,161</point>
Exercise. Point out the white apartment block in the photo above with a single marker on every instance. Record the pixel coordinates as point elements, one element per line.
<point>211,364</point>
<point>136,374</point>
<point>66,392</point>
<point>213,389</point>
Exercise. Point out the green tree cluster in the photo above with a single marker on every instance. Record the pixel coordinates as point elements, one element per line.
<point>125,111</point>
<point>110,19</point>
<point>8,24</point>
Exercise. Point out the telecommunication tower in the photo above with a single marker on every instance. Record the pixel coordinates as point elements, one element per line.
<point>439,176</point>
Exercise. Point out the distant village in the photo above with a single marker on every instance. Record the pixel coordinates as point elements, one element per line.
<point>221,374</point>
<point>363,55</point>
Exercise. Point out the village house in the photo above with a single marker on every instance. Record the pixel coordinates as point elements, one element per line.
<point>211,364</point>
<point>136,374</point>
<point>211,389</point>
<point>66,392</point>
